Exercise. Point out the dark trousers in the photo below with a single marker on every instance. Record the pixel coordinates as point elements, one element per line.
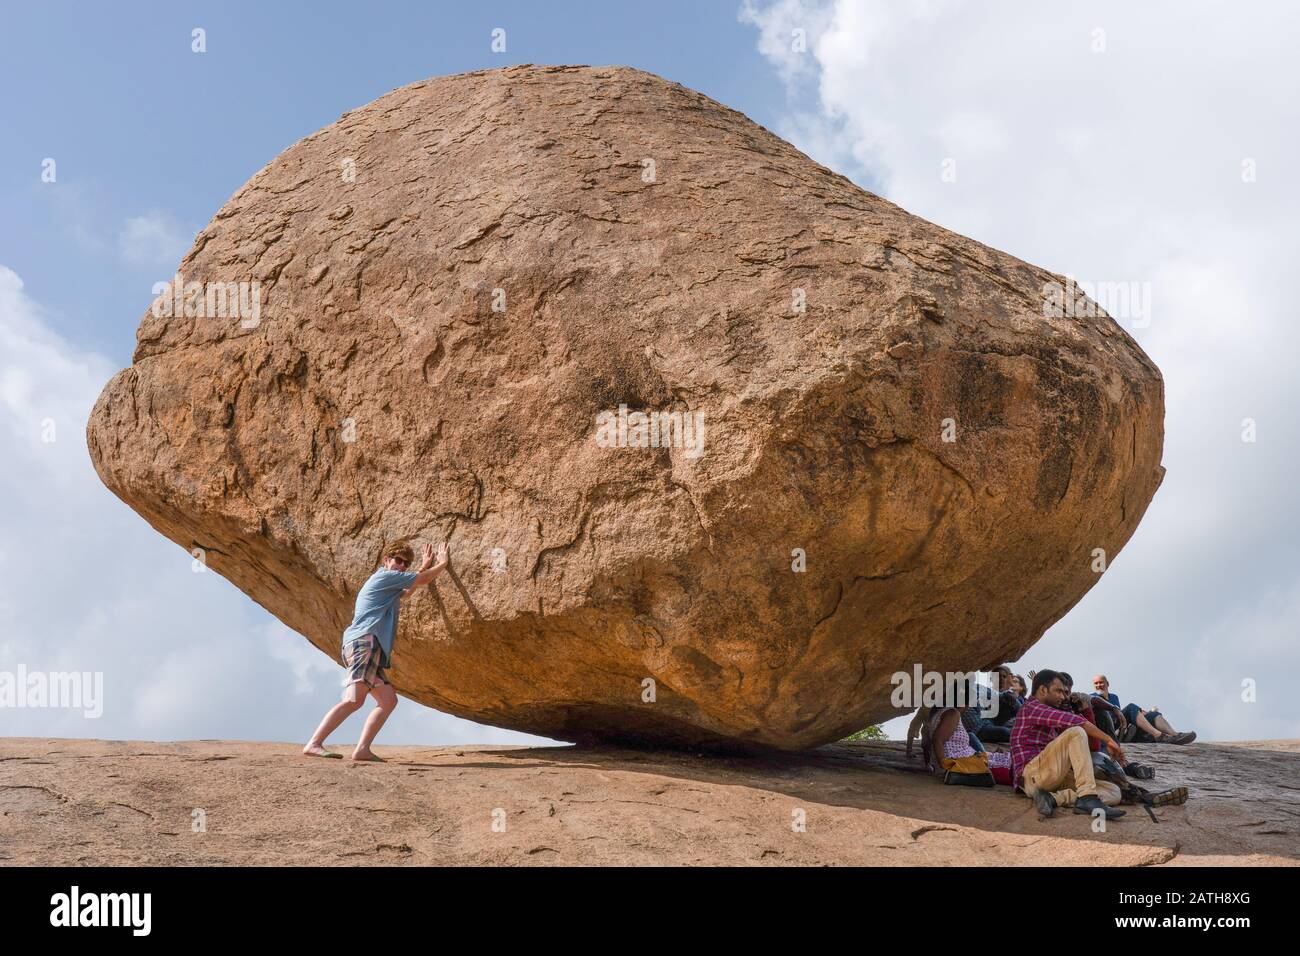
<point>1106,722</point>
<point>1008,705</point>
<point>993,734</point>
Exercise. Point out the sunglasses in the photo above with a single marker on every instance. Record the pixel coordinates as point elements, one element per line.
<point>405,562</point>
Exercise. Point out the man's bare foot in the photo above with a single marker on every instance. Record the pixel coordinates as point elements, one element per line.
<point>313,750</point>
<point>365,756</point>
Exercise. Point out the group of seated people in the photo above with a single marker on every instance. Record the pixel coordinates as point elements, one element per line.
<point>1124,723</point>
<point>1057,744</point>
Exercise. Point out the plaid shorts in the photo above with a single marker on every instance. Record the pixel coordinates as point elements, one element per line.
<point>364,659</point>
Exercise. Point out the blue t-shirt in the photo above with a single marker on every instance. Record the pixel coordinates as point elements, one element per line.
<point>377,606</point>
<point>1113,698</point>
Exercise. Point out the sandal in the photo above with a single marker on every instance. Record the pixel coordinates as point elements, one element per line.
<point>324,753</point>
<point>371,759</point>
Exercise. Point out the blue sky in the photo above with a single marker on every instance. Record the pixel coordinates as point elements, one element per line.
<point>1106,141</point>
<point>139,124</point>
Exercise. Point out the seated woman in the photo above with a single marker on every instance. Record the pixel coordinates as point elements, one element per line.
<point>950,747</point>
<point>922,726</point>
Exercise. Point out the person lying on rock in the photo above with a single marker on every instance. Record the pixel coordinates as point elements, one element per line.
<point>368,644</point>
<point>1142,726</point>
<point>1050,760</point>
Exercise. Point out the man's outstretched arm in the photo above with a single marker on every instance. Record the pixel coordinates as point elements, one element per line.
<point>429,568</point>
<point>1112,748</point>
<point>1097,700</point>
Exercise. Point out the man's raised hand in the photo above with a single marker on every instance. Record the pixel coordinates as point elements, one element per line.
<point>428,569</point>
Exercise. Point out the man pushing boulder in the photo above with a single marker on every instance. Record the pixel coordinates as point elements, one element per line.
<point>368,646</point>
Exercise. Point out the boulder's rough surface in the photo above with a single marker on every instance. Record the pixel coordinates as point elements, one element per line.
<point>651,249</point>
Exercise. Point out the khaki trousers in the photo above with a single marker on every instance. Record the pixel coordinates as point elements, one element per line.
<point>1064,768</point>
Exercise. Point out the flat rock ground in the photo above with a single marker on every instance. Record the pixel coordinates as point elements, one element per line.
<point>91,802</point>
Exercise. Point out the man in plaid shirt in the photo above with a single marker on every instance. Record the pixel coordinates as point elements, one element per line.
<point>1050,760</point>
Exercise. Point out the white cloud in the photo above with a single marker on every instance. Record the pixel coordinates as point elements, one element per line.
<point>87,585</point>
<point>309,666</point>
<point>47,389</point>
<point>1123,165</point>
<point>788,30</point>
<point>154,239</point>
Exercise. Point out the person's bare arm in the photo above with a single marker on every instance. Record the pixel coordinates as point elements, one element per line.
<point>1112,748</point>
<point>914,728</point>
<point>430,568</point>
<point>947,724</point>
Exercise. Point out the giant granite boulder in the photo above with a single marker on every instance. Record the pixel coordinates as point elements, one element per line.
<point>719,440</point>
